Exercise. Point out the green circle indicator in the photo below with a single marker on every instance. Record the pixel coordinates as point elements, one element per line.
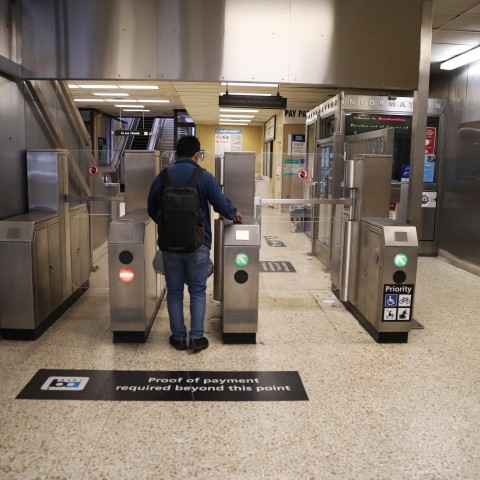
<point>241,259</point>
<point>400,260</point>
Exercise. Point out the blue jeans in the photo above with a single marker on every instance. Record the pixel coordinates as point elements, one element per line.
<point>191,269</point>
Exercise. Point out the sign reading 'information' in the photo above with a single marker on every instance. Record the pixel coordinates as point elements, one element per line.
<point>129,385</point>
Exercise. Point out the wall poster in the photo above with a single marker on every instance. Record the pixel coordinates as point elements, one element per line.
<point>228,140</point>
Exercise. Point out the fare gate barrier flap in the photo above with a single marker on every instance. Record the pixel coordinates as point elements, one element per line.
<point>240,282</point>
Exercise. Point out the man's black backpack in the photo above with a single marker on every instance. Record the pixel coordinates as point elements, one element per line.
<point>179,219</point>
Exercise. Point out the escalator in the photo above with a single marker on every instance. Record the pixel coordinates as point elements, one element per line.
<point>141,141</point>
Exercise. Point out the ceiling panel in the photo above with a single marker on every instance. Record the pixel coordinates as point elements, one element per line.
<point>440,19</point>
<point>456,28</point>
<point>456,37</point>
<point>465,23</point>
<point>454,6</point>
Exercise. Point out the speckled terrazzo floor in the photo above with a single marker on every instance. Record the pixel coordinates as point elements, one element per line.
<point>375,411</point>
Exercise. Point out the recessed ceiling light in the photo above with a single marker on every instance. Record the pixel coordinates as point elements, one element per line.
<point>245,110</point>
<point>246,84</point>
<point>111,94</point>
<point>89,100</point>
<point>135,110</point>
<point>249,94</point>
<point>236,124</point>
<point>233,115</point>
<point>98,87</point>
<point>139,87</point>
<point>154,101</point>
<point>126,100</point>
<point>128,106</point>
<point>234,120</point>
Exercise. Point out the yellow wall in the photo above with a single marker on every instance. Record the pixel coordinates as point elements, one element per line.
<point>280,148</point>
<point>252,141</point>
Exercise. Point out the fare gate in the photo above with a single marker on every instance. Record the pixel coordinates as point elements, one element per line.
<point>136,291</point>
<point>240,283</point>
<point>374,259</point>
<point>134,287</point>
<point>386,277</point>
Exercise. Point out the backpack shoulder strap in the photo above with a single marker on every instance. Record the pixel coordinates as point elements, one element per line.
<point>195,176</point>
<point>165,178</point>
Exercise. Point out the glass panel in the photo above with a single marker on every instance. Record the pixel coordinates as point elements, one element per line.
<point>182,116</point>
<point>324,220</point>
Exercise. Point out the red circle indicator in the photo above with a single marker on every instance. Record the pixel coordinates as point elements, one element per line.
<point>302,174</point>
<point>93,169</point>
<point>126,275</point>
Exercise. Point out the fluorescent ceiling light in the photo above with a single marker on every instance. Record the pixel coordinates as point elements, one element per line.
<point>154,101</point>
<point>126,100</point>
<point>72,85</point>
<point>246,84</point>
<point>249,94</point>
<point>129,106</point>
<point>111,94</point>
<point>89,100</point>
<point>245,110</point>
<point>232,115</point>
<point>138,87</point>
<point>98,87</point>
<point>135,110</point>
<point>233,120</point>
<point>460,60</point>
<point>236,124</point>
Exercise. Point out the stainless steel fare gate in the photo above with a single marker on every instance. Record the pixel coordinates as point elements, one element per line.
<point>135,290</point>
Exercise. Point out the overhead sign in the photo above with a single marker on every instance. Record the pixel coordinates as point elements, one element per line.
<point>137,133</point>
<point>130,385</point>
<point>249,101</point>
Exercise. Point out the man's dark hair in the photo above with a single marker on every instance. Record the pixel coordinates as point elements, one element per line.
<point>188,146</point>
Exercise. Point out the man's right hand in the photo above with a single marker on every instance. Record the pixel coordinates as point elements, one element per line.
<point>239,217</point>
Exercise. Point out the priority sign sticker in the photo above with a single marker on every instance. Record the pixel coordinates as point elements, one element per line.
<point>397,303</point>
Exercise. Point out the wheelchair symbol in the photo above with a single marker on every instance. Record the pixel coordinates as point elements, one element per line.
<point>391,301</point>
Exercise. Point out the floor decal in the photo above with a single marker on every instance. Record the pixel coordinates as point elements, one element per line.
<point>276,266</point>
<point>129,385</point>
<point>273,241</point>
